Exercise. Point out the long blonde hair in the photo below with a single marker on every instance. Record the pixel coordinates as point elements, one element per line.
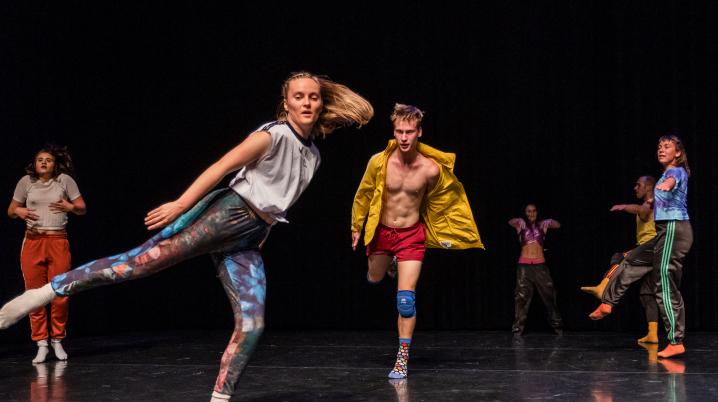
<point>341,106</point>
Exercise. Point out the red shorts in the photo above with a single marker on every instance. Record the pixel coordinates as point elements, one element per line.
<point>407,244</point>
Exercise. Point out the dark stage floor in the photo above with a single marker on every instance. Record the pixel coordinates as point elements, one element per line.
<point>352,366</point>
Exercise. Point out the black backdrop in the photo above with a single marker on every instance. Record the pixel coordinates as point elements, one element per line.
<point>556,102</point>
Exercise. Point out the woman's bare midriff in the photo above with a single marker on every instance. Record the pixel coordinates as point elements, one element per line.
<point>44,231</point>
<point>532,250</point>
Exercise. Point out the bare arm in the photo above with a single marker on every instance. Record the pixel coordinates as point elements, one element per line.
<point>547,224</point>
<point>253,147</point>
<point>355,239</point>
<point>12,207</point>
<point>16,210</point>
<point>78,206</point>
<point>517,223</point>
<point>643,211</point>
<point>667,185</point>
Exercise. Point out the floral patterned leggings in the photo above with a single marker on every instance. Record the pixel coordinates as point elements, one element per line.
<point>222,225</point>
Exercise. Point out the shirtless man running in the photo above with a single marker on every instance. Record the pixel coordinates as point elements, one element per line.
<point>409,199</point>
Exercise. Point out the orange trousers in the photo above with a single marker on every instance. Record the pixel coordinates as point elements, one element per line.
<point>44,256</point>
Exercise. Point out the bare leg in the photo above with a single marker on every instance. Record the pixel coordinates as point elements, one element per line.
<point>378,265</point>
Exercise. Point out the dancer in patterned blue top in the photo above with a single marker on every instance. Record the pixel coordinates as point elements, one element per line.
<point>672,205</point>
<point>674,237</point>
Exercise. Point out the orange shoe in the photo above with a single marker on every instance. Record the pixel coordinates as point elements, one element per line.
<point>601,312</point>
<point>672,350</point>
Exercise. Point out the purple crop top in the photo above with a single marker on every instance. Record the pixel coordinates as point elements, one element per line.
<point>532,234</point>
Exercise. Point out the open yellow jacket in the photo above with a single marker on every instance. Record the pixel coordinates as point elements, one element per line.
<point>445,209</point>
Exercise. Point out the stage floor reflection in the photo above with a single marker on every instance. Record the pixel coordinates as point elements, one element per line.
<point>352,366</point>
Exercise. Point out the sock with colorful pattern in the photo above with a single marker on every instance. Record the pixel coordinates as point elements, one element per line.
<point>402,359</point>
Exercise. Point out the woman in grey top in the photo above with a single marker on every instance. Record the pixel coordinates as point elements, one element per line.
<point>275,163</point>
<point>43,198</point>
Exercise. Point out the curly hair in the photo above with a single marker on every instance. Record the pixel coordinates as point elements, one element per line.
<point>341,106</point>
<point>63,161</point>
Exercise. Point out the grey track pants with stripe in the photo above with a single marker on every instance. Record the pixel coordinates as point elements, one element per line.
<point>661,260</point>
<point>672,242</point>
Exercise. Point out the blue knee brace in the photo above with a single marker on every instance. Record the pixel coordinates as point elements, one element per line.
<point>405,303</point>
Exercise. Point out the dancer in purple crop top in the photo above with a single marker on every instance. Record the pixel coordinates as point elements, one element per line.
<point>532,271</point>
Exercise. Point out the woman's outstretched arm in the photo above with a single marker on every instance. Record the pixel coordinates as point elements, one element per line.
<point>249,150</point>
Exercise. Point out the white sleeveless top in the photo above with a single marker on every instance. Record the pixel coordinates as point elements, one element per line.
<point>274,182</point>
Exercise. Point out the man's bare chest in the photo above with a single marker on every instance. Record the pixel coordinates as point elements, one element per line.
<point>405,179</point>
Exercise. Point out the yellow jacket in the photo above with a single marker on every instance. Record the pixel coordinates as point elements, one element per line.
<point>445,209</point>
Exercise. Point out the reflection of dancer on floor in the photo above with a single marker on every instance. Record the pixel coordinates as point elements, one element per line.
<point>277,163</point>
<point>43,198</point>
<point>532,272</point>
<point>664,253</point>
<point>401,387</point>
<point>48,385</point>
<point>409,199</point>
<point>645,231</point>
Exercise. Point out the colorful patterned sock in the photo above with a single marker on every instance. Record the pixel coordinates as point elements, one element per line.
<point>402,359</point>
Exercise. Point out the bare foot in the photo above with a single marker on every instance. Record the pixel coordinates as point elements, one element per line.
<point>596,291</point>
<point>672,350</point>
<point>652,335</point>
<point>601,312</point>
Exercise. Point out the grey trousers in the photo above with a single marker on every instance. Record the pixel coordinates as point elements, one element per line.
<point>529,277</point>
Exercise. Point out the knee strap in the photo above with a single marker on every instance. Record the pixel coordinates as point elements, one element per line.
<point>405,303</point>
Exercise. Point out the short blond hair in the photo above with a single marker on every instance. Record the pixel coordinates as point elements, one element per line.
<point>407,113</point>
